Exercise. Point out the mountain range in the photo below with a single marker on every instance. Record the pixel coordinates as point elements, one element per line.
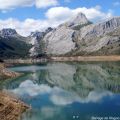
<point>76,37</point>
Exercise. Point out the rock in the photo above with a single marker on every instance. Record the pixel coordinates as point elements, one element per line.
<point>88,39</point>
<point>59,41</point>
<point>8,32</point>
<point>77,20</point>
<point>36,40</point>
<point>100,28</point>
<point>75,37</point>
<point>92,38</point>
<point>49,29</point>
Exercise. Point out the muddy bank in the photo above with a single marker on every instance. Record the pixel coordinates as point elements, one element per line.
<point>6,74</point>
<point>10,107</point>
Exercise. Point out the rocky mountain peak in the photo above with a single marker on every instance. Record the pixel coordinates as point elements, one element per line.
<point>101,28</point>
<point>49,29</point>
<point>79,19</point>
<point>39,34</point>
<point>36,34</point>
<point>36,39</point>
<point>8,32</point>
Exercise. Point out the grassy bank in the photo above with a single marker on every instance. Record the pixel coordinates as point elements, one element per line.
<point>87,58</point>
<point>6,74</point>
<point>10,108</point>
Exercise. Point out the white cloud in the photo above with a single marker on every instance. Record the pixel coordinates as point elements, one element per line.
<point>65,97</point>
<point>65,13</point>
<point>31,89</point>
<point>59,14</point>
<point>11,4</point>
<point>116,3</point>
<point>46,3</point>
<point>49,112</point>
<point>57,95</point>
<point>25,27</point>
<point>54,17</point>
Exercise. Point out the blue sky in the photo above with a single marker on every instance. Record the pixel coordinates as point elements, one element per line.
<point>26,15</point>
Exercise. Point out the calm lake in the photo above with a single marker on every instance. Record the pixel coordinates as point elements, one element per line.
<point>68,91</point>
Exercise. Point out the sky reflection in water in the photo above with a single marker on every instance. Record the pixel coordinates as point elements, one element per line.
<point>63,90</point>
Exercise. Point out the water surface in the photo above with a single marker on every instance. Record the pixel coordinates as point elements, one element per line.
<point>67,91</point>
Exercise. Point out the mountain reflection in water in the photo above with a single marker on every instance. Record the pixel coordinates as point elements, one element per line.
<point>63,90</point>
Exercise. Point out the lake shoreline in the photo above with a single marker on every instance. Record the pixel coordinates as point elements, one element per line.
<point>7,74</point>
<point>76,83</point>
<point>63,59</point>
<point>87,58</point>
<point>11,108</point>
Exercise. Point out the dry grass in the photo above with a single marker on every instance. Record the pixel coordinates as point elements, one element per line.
<point>6,74</point>
<point>87,58</point>
<point>10,108</point>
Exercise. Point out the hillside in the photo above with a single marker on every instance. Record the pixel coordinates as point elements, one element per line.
<point>13,45</point>
<point>73,39</point>
<point>76,37</point>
